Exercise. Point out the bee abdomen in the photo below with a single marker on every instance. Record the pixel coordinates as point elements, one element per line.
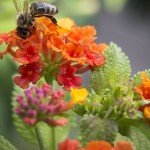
<point>41,8</point>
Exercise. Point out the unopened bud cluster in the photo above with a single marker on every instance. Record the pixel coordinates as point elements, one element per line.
<point>41,104</point>
<point>125,107</point>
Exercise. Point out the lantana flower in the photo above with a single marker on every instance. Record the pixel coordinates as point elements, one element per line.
<point>41,104</point>
<point>55,52</point>
<point>144,90</point>
<point>69,144</point>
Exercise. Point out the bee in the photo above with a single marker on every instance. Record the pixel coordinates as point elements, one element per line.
<point>25,20</point>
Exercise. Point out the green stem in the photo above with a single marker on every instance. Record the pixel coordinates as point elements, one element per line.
<point>110,109</point>
<point>39,138</point>
<point>49,79</point>
<point>53,139</point>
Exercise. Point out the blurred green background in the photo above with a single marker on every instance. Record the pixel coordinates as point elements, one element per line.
<point>125,22</point>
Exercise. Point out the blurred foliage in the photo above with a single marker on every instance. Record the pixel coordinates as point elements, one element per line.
<point>114,6</point>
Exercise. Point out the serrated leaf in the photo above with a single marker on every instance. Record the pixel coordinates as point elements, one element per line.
<point>120,137</point>
<point>98,81</point>
<point>5,144</point>
<point>140,140</point>
<point>28,132</point>
<point>115,71</point>
<point>95,128</point>
<point>137,131</point>
<point>61,133</point>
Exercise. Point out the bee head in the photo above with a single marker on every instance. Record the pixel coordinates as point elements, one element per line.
<point>20,21</point>
<point>25,21</point>
<point>23,33</point>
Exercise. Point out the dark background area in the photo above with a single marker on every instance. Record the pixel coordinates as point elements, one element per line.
<point>130,29</point>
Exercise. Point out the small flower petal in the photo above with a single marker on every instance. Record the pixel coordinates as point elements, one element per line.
<point>5,38</point>
<point>59,122</point>
<point>147,112</point>
<point>144,88</point>
<point>29,121</point>
<point>78,95</point>
<point>69,144</point>
<point>99,145</point>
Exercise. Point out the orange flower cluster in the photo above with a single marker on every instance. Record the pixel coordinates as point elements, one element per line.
<point>54,51</point>
<point>144,91</point>
<point>69,144</point>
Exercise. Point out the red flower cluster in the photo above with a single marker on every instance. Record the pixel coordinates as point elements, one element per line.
<point>54,51</point>
<point>69,144</point>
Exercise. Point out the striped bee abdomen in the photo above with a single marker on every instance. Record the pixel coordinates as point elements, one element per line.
<point>42,8</point>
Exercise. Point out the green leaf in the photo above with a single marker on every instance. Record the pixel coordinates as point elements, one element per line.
<point>137,131</point>
<point>95,128</point>
<point>61,133</point>
<point>120,137</point>
<point>115,71</point>
<point>5,144</point>
<point>140,140</point>
<point>28,133</point>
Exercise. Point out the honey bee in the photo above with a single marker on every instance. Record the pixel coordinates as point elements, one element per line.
<point>25,18</point>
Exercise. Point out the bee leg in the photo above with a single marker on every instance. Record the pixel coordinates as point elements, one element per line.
<point>53,20</point>
<point>31,22</point>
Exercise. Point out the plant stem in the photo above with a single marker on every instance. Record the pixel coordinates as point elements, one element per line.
<point>39,138</point>
<point>108,112</point>
<point>53,139</point>
<point>49,79</point>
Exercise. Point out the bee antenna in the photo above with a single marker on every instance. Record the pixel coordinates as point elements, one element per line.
<point>17,6</point>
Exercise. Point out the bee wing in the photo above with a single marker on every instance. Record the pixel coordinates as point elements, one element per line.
<point>25,8</point>
<point>17,5</point>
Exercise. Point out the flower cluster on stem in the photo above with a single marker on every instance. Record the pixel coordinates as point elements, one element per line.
<point>43,104</point>
<point>54,51</point>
